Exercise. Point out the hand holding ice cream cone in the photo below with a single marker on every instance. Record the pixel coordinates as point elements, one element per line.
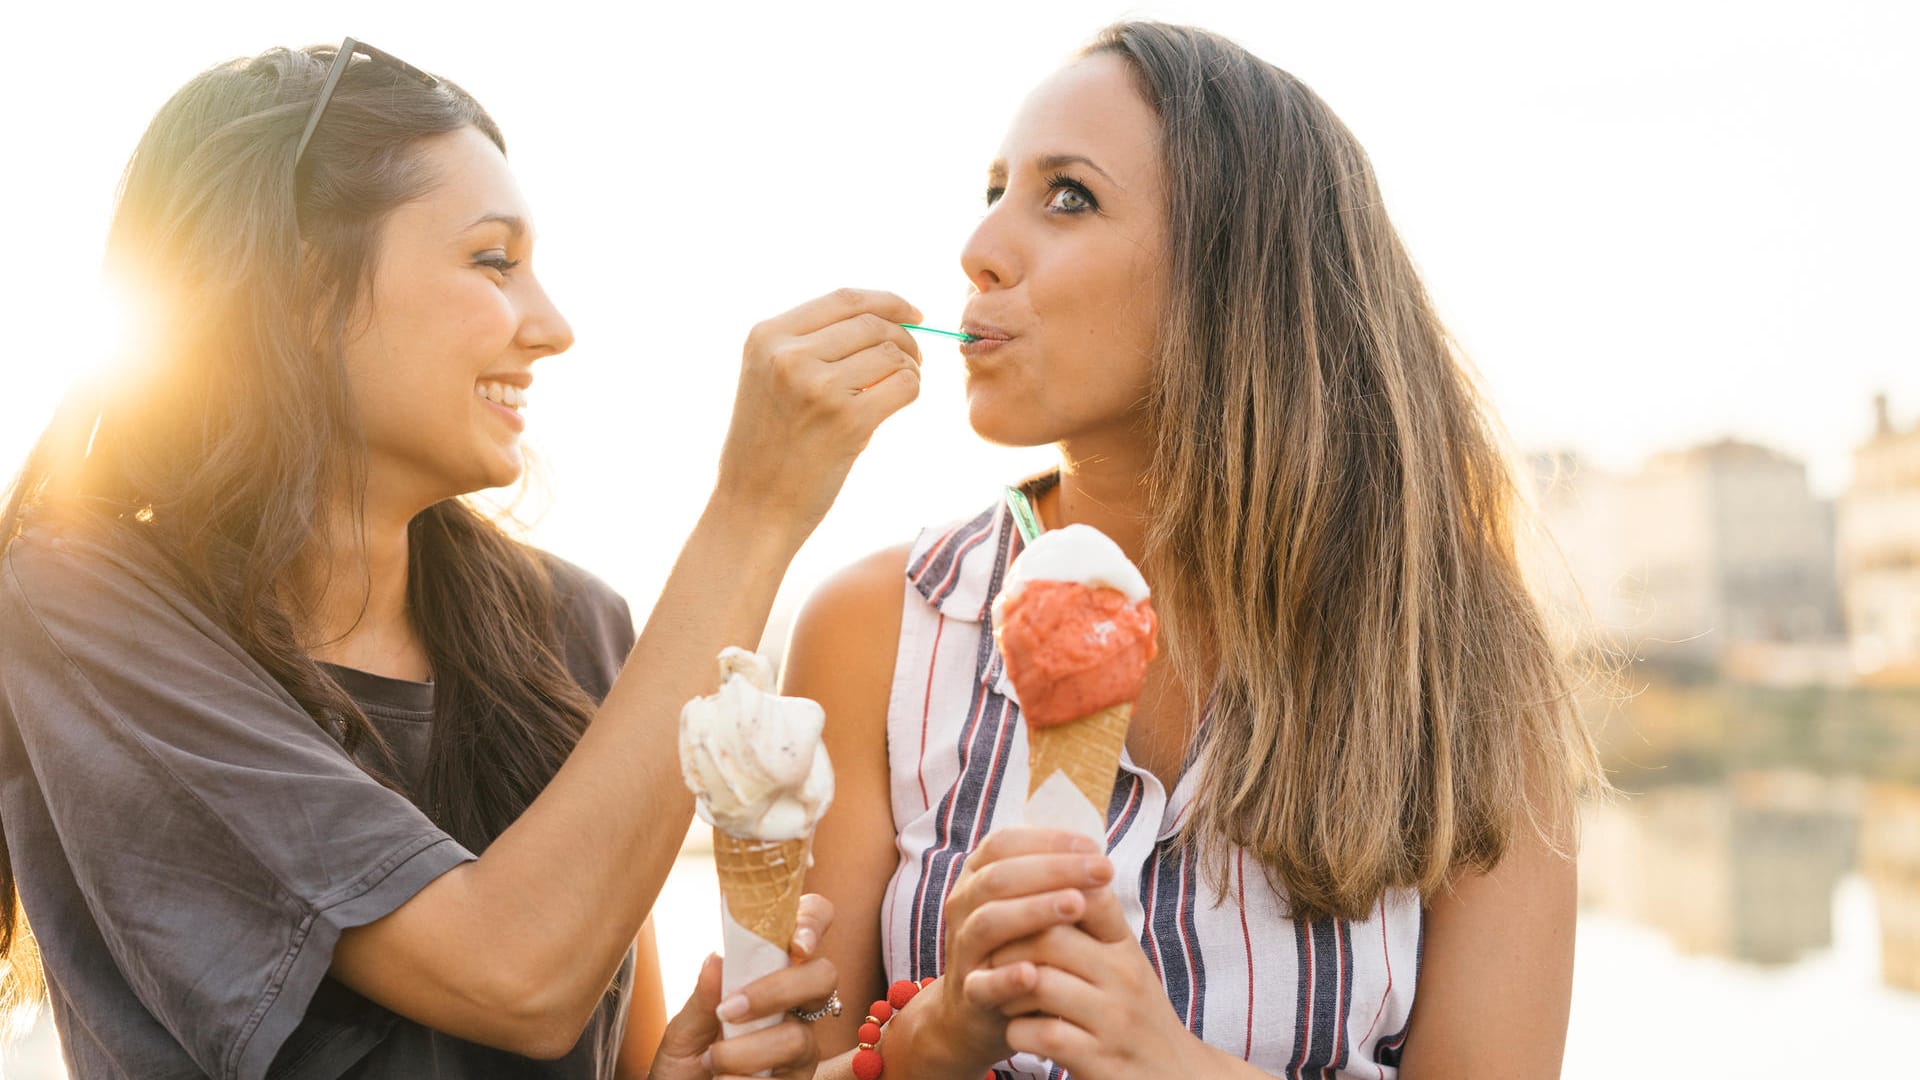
<point>761,778</point>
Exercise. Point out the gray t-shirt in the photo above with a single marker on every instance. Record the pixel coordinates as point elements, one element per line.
<point>189,844</point>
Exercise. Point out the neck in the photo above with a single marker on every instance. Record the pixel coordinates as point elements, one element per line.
<point>1100,486</point>
<point>354,593</point>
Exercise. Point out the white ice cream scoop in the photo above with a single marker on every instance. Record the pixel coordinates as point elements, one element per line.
<point>754,759</point>
<point>1076,553</point>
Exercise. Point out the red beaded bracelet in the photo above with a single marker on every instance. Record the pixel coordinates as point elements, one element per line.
<point>866,1060</point>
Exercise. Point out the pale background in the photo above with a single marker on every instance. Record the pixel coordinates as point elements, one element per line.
<point>1652,224</point>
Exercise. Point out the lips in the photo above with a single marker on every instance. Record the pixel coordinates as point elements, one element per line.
<point>986,339</point>
<point>983,332</point>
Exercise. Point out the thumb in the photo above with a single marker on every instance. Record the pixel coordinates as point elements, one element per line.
<point>1104,918</point>
<point>696,1026</point>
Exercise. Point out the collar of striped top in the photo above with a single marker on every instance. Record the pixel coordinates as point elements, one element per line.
<point>959,572</point>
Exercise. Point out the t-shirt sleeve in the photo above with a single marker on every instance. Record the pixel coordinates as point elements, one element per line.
<point>595,623</point>
<point>221,839</point>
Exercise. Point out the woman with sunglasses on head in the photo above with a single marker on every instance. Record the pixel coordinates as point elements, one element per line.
<point>1338,841</point>
<point>306,768</point>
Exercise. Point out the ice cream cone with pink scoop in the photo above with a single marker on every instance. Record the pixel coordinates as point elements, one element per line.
<point>1076,629</point>
<point>760,776</point>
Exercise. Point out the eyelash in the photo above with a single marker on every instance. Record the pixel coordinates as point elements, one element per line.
<point>1062,180</point>
<point>1054,184</point>
<point>499,264</point>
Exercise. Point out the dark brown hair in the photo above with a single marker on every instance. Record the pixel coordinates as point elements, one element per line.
<point>233,429</point>
<point>1332,515</point>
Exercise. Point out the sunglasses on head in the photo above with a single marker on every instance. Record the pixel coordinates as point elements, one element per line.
<point>341,60</point>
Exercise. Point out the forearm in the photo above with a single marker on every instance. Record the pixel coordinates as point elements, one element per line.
<point>579,871</point>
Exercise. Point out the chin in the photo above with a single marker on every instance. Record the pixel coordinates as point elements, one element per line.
<point>501,471</point>
<point>1008,426</point>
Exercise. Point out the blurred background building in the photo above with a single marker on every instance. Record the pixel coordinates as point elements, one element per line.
<point>1879,535</point>
<point>1714,556</point>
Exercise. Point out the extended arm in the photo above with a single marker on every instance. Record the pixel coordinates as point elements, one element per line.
<point>516,948</point>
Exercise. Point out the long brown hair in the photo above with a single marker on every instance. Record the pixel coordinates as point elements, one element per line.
<point>234,426</point>
<point>1332,514</point>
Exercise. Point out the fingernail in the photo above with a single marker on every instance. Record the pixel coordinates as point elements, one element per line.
<point>1083,843</point>
<point>1064,905</point>
<point>734,1008</point>
<point>803,939</point>
<point>1099,870</point>
<point>706,1061</point>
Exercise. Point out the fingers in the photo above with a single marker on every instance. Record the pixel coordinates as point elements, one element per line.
<point>1052,1038</point>
<point>1105,920</point>
<point>1029,840</point>
<point>695,1026</point>
<point>868,367</point>
<point>995,924</point>
<point>839,305</point>
<point>856,333</point>
<point>785,989</point>
<point>974,931</point>
<point>886,397</point>
<point>816,918</point>
<point>1063,994</point>
<point>1001,987</point>
<point>1068,948</point>
<point>1027,875</point>
<point>787,1046</point>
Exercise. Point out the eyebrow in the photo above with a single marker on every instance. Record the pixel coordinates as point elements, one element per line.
<point>1056,161</point>
<point>515,224</point>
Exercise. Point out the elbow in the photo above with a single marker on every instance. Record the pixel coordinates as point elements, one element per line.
<point>550,1043</point>
<point>543,1038</point>
<point>539,1021</point>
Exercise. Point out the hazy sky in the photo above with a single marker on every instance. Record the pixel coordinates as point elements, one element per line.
<point>1651,224</point>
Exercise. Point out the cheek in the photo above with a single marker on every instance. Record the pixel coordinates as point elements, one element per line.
<point>414,369</point>
<point>1101,311</point>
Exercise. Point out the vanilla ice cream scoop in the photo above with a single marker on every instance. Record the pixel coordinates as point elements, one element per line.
<point>1080,554</point>
<point>754,759</point>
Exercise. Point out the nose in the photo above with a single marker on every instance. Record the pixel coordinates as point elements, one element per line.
<point>543,330</point>
<point>989,257</point>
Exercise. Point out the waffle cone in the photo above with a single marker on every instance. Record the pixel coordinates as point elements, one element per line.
<point>760,880</point>
<point>1087,750</point>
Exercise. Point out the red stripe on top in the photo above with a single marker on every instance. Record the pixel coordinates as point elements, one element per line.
<point>926,711</point>
<point>1386,954</point>
<point>1246,938</point>
<point>1186,942</point>
<point>946,830</point>
<point>1310,979</point>
<point>1133,799</point>
<point>939,594</point>
<point>1153,901</point>
<point>995,774</point>
<point>933,552</point>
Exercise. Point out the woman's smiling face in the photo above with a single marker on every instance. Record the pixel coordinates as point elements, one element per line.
<point>1068,267</point>
<point>454,320</point>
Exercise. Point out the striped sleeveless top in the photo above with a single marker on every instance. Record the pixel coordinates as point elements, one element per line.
<point>1322,999</point>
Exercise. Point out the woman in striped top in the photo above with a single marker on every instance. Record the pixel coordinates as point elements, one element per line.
<point>1349,782</point>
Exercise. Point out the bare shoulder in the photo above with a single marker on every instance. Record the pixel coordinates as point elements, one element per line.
<point>855,609</point>
<point>868,587</point>
<point>845,638</point>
